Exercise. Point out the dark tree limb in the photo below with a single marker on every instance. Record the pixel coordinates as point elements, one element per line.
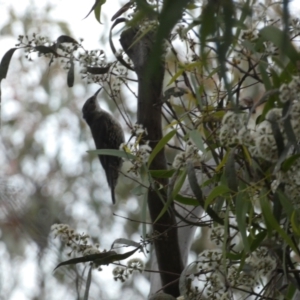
<point>149,115</point>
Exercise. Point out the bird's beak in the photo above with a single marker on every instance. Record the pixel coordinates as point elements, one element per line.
<point>95,95</point>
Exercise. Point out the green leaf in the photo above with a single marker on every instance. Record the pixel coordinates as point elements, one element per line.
<point>272,224</point>
<point>242,207</point>
<point>177,75</point>
<point>162,173</point>
<point>122,10</point>
<point>5,61</point>
<point>291,291</point>
<point>295,223</point>
<point>223,162</point>
<point>198,193</point>
<point>234,256</point>
<point>219,190</point>
<point>45,50</point>
<point>255,243</point>
<point>265,76</point>
<point>196,137</point>
<point>98,70</point>
<point>168,17</point>
<point>88,284</point>
<point>194,183</point>
<point>208,24</point>
<point>286,151</point>
<point>277,136</point>
<point>97,10</point>
<point>242,261</point>
<point>186,200</point>
<point>112,46</point>
<point>279,39</point>
<point>174,187</point>
<point>112,152</point>
<point>288,129</point>
<point>160,145</point>
<point>286,203</point>
<point>104,258</point>
<point>127,242</point>
<point>246,11</point>
<point>230,172</point>
<point>287,164</point>
<point>275,79</point>
<point>139,190</point>
<point>179,183</point>
<point>65,39</point>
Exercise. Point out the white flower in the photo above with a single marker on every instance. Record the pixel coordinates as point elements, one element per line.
<point>264,128</point>
<point>179,160</point>
<point>210,259</point>
<point>138,129</point>
<point>90,250</point>
<point>274,114</point>
<point>246,136</point>
<point>217,235</point>
<point>285,93</point>
<point>135,264</point>
<point>266,147</point>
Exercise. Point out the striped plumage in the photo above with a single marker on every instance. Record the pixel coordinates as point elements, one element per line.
<point>107,134</point>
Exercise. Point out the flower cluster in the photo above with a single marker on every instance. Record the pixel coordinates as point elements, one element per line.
<point>218,275</point>
<point>148,25</point>
<point>290,92</point>
<point>181,31</point>
<point>249,35</point>
<point>120,76</point>
<point>270,49</point>
<point>260,138</point>
<point>258,265</point>
<point>138,130</point>
<point>77,242</point>
<point>92,58</point>
<point>89,62</point>
<point>141,153</point>
<point>265,144</point>
<point>93,63</point>
<point>292,183</point>
<point>122,273</point>
<point>231,125</point>
<point>295,26</point>
<point>139,148</point>
<point>32,44</point>
<point>191,153</point>
<point>217,235</point>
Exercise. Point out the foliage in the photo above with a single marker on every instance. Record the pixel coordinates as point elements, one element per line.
<point>231,113</point>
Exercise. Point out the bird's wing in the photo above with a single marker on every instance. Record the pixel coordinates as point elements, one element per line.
<point>103,134</point>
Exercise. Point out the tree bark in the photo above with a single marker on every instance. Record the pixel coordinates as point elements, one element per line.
<point>149,115</point>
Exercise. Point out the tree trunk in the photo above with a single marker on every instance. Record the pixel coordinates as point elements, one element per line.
<point>149,115</point>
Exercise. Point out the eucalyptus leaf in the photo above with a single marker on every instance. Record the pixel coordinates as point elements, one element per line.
<point>112,152</point>
<point>5,61</point>
<point>160,145</point>
<point>88,284</point>
<point>126,242</point>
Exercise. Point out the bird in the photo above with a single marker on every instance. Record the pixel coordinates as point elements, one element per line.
<point>107,134</point>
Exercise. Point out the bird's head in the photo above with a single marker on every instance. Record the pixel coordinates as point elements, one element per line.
<point>91,105</point>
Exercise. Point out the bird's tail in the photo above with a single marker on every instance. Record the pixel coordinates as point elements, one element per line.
<point>112,188</point>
